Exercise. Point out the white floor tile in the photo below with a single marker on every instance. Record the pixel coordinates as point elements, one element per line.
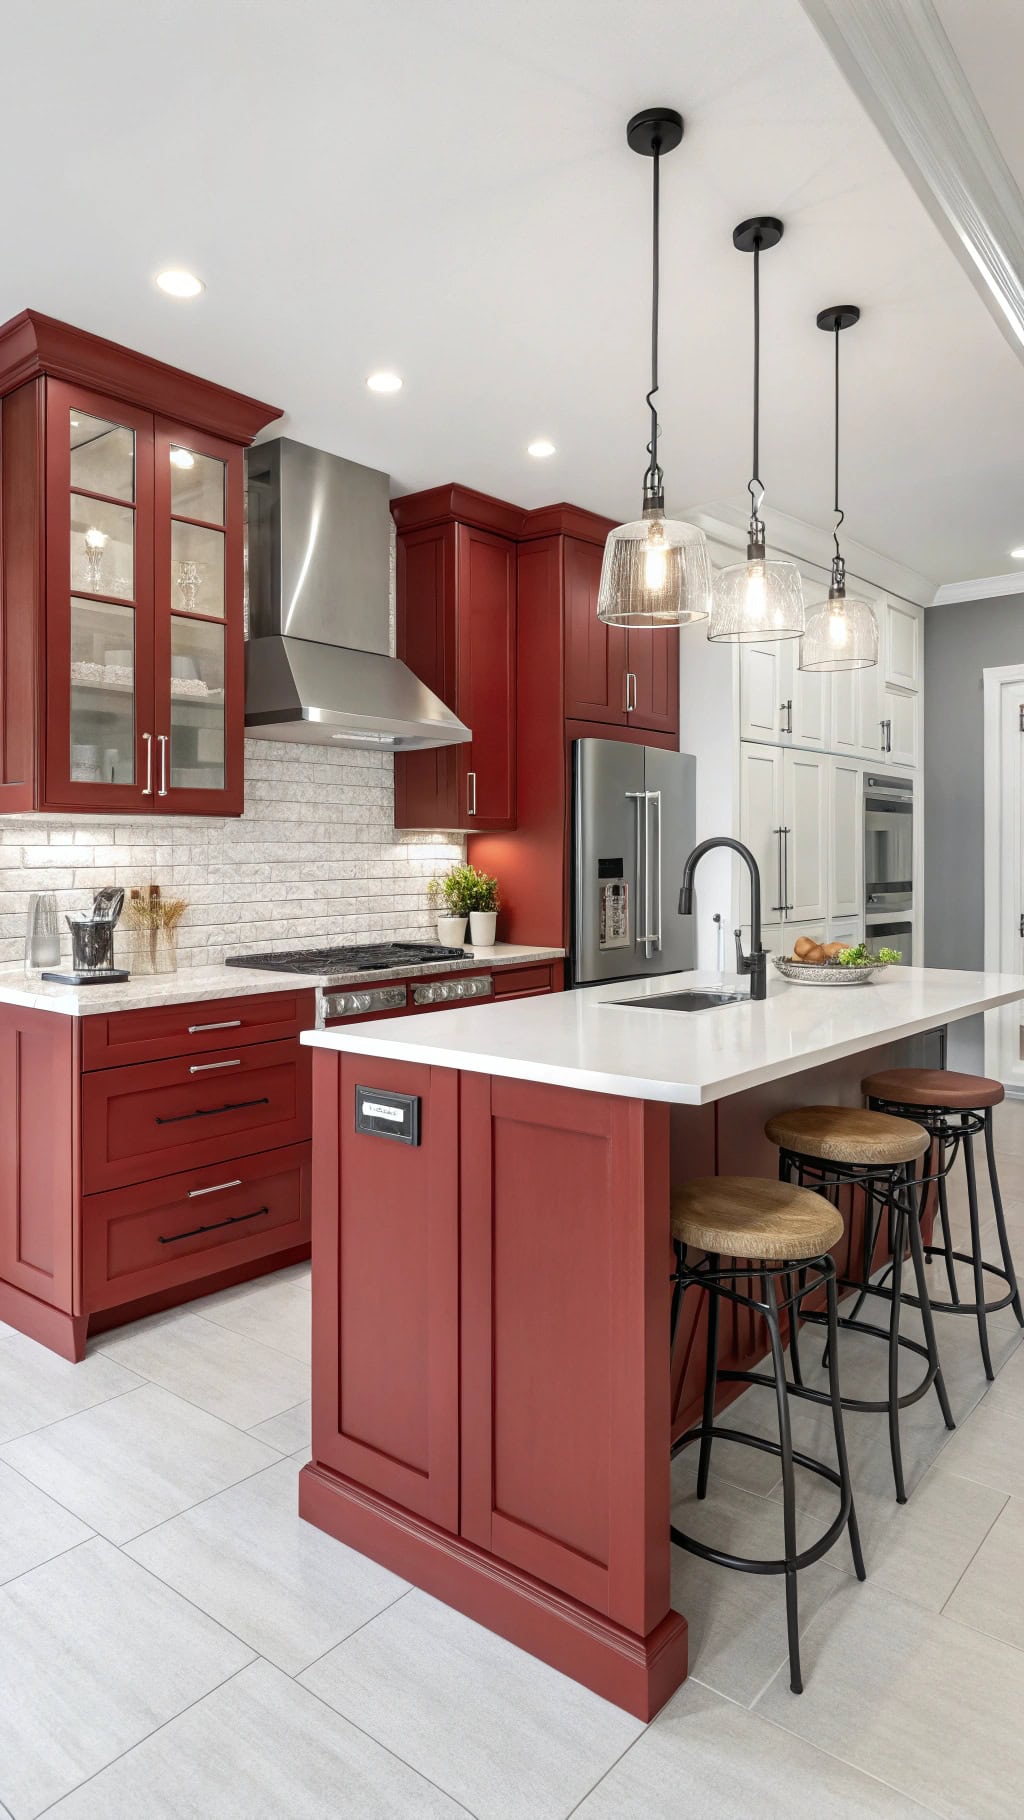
<point>259,1748</point>
<point>289,1431</point>
<point>990,1596</point>
<point>37,1387</point>
<point>989,1446</point>
<point>925,1704</point>
<point>707,1758</point>
<point>94,1653</point>
<point>313,1591</point>
<point>275,1313</point>
<point>234,1378</point>
<point>32,1527</point>
<point>737,1621</point>
<point>137,1460</point>
<point>502,1732</point>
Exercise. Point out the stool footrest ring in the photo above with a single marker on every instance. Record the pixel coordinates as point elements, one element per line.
<point>742,1563</point>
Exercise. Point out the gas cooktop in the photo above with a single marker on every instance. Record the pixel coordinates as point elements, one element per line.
<point>373,958</point>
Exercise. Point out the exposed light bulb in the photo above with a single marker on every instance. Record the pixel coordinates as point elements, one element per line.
<point>838,626</point>
<point>755,598</point>
<point>94,539</point>
<point>655,557</point>
<point>183,458</point>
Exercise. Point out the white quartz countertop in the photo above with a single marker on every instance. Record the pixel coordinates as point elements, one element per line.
<point>190,984</point>
<point>585,1039</point>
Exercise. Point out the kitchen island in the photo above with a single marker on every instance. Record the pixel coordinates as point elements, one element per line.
<point>492,1405</point>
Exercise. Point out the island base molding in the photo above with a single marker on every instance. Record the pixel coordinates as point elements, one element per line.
<point>638,1674</point>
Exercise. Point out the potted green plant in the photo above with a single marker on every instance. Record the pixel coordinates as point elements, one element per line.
<point>452,898</point>
<point>483,911</point>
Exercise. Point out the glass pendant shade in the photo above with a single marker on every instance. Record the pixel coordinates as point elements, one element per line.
<point>757,599</point>
<point>656,572</point>
<point>841,634</point>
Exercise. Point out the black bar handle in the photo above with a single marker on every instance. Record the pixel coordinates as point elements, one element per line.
<point>235,1220</point>
<point>210,1112</point>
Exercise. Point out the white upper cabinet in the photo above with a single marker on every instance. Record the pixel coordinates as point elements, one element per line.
<point>804,848</point>
<point>901,644</point>
<point>761,821</point>
<point>902,728</point>
<point>846,839</point>
<point>765,691</point>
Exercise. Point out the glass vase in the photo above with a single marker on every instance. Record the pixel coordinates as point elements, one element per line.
<point>165,951</point>
<point>143,943</point>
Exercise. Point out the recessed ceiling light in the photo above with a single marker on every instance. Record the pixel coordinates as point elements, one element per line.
<point>540,449</point>
<point>183,458</point>
<point>180,284</point>
<point>384,382</point>
<point>1018,554</point>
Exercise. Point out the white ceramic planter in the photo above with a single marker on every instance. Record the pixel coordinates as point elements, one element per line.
<point>451,931</point>
<point>482,926</point>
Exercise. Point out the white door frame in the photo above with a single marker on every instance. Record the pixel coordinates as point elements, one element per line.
<point>1002,1028</point>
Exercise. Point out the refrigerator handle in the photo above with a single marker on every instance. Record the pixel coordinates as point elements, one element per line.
<point>639,797</point>
<point>654,797</point>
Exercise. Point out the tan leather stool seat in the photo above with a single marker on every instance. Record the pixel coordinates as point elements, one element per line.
<point>848,1134</point>
<point>746,1216</point>
<point>937,1087</point>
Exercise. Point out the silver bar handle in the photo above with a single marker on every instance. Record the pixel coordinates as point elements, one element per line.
<point>163,742</point>
<point>194,1193</point>
<point>230,1023</point>
<point>786,905</point>
<point>208,1067</point>
<point>780,906</point>
<point>147,789</point>
<point>654,797</point>
<point>630,691</point>
<point>470,792</point>
<point>786,710</point>
<point>640,797</point>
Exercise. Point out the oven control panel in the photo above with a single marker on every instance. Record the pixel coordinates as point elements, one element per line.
<point>452,992</point>
<point>362,1004</point>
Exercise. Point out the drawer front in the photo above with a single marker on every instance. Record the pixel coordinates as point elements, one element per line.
<point>161,1031</point>
<point>143,1122</point>
<point>159,1235</point>
<point>515,982</point>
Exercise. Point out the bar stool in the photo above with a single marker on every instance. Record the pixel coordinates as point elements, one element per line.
<point>834,1146</point>
<point>954,1109</point>
<point>783,1227</point>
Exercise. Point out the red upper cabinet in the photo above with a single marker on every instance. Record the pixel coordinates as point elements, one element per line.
<point>622,679</point>
<point>456,630</point>
<point>121,579</point>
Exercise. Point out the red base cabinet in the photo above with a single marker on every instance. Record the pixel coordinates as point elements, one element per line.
<point>490,1361</point>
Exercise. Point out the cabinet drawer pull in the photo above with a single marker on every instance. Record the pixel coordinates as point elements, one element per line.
<point>210,1112</point>
<point>148,786</point>
<point>207,1067</point>
<point>230,1023</point>
<point>163,742</point>
<point>217,1188</point>
<point>236,1219</point>
<point>470,792</point>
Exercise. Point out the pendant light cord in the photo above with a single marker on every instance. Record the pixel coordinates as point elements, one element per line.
<point>840,514</point>
<point>654,479</point>
<point>755,486</point>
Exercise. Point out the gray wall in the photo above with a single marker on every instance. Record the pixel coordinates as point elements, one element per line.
<point>959,643</point>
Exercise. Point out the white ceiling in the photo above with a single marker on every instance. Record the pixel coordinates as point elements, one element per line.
<point>443,186</point>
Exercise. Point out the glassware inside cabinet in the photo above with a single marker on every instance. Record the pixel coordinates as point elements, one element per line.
<point>102,547</point>
<point>197,569</point>
<point>102,693</point>
<point>197,704</point>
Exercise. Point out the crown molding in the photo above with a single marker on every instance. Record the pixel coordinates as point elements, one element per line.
<point>901,66</point>
<point>987,587</point>
<point>811,548</point>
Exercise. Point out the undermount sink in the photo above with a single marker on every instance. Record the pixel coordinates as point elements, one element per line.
<point>682,1001</point>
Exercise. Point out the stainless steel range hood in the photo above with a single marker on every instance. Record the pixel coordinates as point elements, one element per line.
<point>318,663</point>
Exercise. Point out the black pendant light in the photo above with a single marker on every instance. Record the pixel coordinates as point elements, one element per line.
<point>757,599</point>
<point>843,633</point>
<point>656,570</point>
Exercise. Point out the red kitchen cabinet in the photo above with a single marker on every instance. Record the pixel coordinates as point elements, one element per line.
<point>121,578</point>
<point>623,679</point>
<point>456,629</point>
<point>652,678</point>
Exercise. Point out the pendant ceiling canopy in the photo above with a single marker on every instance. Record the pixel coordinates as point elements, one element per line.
<point>656,570</point>
<point>757,599</point>
<point>842,634</point>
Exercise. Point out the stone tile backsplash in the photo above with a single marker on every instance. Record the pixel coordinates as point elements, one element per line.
<point>314,859</point>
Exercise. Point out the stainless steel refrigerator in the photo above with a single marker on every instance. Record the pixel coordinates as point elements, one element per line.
<point>634,823</point>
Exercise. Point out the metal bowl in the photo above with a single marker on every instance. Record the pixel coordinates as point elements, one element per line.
<point>822,973</point>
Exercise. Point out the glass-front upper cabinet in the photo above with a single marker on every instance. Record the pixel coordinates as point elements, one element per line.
<point>199,673</point>
<point>99,624</point>
<point>144,640</point>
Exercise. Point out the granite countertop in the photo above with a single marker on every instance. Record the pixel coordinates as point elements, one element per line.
<point>602,1040</point>
<point>197,984</point>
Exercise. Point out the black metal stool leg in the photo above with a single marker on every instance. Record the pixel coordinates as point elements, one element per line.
<point>846,1487</point>
<point>947,1234</point>
<point>710,1388</point>
<point>677,1301</point>
<point>792,1291</point>
<point>997,1202</point>
<point>895,1443</point>
<point>788,1483</point>
<point>924,1301</point>
<point>976,1260</point>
